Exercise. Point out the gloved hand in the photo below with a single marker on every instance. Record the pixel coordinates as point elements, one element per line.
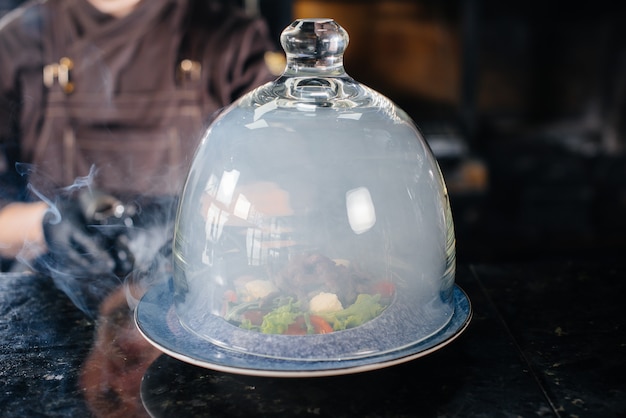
<point>81,242</point>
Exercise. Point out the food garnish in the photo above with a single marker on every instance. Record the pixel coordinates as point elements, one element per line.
<point>311,295</point>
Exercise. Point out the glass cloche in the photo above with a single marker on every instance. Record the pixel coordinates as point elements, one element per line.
<point>314,224</point>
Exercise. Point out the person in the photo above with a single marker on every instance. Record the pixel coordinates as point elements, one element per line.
<point>102,104</point>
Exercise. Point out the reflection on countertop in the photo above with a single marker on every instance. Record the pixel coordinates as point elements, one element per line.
<point>110,376</point>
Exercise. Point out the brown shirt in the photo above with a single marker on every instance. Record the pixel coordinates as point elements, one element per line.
<point>119,103</point>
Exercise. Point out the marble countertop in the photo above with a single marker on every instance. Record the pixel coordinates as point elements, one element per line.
<point>546,339</point>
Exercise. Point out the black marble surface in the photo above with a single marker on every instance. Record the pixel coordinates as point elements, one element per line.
<point>546,339</point>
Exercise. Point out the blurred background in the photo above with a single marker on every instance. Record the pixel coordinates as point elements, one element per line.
<point>522,102</point>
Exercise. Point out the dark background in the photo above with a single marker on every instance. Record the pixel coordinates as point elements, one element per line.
<point>523,103</point>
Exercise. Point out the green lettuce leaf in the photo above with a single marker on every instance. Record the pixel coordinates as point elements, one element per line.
<point>277,321</point>
<point>365,308</point>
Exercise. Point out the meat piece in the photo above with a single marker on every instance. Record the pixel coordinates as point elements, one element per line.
<point>314,273</point>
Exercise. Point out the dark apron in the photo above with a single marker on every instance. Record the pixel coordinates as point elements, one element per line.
<point>124,142</point>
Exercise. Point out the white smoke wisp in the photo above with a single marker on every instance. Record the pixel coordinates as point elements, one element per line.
<point>85,181</point>
<point>79,184</point>
<point>152,263</point>
<point>53,215</point>
<point>84,292</point>
<point>151,244</point>
<point>148,236</point>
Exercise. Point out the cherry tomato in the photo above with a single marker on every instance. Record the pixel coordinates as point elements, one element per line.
<point>298,327</point>
<point>320,325</point>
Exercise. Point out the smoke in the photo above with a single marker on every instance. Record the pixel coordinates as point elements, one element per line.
<point>151,244</point>
<point>85,181</point>
<point>86,293</point>
<point>147,235</point>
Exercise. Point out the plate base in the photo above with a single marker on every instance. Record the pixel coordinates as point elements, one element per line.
<point>156,320</point>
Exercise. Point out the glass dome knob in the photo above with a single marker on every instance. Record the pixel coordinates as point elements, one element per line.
<point>314,44</point>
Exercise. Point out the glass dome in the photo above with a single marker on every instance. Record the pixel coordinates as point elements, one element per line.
<point>314,223</point>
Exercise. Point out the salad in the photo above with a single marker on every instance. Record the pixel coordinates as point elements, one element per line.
<point>313,294</point>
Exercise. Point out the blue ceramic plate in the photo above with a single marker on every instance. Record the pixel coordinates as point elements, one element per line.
<point>157,321</point>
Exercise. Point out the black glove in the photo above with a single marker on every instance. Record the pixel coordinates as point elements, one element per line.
<point>95,242</point>
<point>81,242</point>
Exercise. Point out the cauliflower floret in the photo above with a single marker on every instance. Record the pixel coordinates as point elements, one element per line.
<point>258,289</point>
<point>324,303</point>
